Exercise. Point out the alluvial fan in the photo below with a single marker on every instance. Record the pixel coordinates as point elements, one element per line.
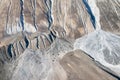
<point>103,47</point>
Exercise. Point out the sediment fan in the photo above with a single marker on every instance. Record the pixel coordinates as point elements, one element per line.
<point>103,47</point>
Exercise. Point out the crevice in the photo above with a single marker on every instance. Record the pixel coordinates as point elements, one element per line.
<point>21,45</point>
<point>33,4</point>
<point>37,43</point>
<point>16,48</point>
<point>51,36</point>
<point>13,51</point>
<point>43,41</point>
<point>48,14</point>
<point>9,50</point>
<point>47,37</point>
<point>92,17</point>
<point>51,32</point>
<point>26,41</point>
<point>22,14</point>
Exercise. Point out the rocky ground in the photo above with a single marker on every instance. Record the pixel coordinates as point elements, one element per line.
<point>59,39</point>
